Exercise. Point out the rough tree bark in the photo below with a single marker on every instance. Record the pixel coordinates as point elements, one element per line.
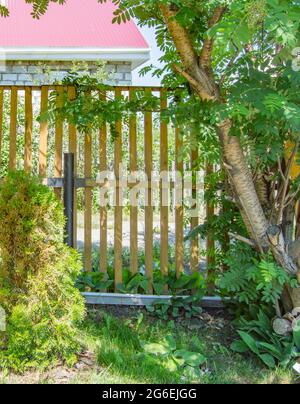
<point>241,178</point>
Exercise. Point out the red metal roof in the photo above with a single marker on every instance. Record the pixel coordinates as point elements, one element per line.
<point>78,23</point>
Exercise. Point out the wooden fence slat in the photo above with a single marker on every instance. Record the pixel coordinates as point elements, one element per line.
<point>103,209</point>
<point>73,149</point>
<point>28,130</point>
<point>148,208</point>
<point>133,209</point>
<point>72,128</point>
<point>118,208</point>
<point>59,125</point>
<point>164,206</point>
<point>13,129</point>
<point>1,124</point>
<point>194,220</point>
<point>43,135</point>
<point>179,223</point>
<point>88,196</point>
<point>210,243</point>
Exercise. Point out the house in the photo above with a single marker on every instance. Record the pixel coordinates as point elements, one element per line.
<point>81,31</point>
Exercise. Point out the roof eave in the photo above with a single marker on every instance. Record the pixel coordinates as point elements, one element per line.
<point>137,56</point>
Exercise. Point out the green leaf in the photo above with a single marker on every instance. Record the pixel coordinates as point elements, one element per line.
<point>264,321</point>
<point>250,342</point>
<point>150,309</point>
<point>170,343</point>
<point>239,346</point>
<point>197,310</point>
<point>272,349</point>
<point>156,349</point>
<point>171,364</point>
<point>181,282</point>
<point>268,360</point>
<point>296,336</point>
<point>193,359</point>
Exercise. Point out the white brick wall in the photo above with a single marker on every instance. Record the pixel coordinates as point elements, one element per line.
<point>28,73</point>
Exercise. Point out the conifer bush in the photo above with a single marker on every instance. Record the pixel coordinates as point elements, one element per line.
<point>37,277</point>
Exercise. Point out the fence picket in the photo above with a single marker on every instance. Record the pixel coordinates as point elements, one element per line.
<point>118,208</point>
<point>43,134</point>
<point>88,196</point>
<point>179,247</point>
<point>133,209</point>
<point>13,129</point>
<point>103,209</point>
<point>148,146</point>
<point>194,250</point>
<point>210,243</point>
<point>59,125</point>
<point>28,130</point>
<point>164,198</point>
<point>73,149</point>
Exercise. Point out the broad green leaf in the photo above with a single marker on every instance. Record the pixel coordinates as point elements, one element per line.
<point>156,349</point>
<point>193,359</point>
<point>264,321</point>
<point>250,342</point>
<point>272,349</point>
<point>239,346</point>
<point>170,342</point>
<point>296,336</point>
<point>268,360</point>
<point>170,364</point>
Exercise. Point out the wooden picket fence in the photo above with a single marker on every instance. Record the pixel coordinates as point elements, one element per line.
<point>29,149</point>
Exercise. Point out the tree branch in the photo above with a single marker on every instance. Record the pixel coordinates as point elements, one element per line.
<point>287,181</point>
<point>291,197</point>
<point>181,37</point>
<point>278,247</point>
<point>206,53</point>
<point>193,82</point>
<point>195,74</point>
<point>243,239</point>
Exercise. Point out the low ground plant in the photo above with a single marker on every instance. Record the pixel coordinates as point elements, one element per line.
<point>257,336</point>
<point>97,281</point>
<point>255,285</point>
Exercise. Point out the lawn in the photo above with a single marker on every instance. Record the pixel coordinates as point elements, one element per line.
<point>114,353</point>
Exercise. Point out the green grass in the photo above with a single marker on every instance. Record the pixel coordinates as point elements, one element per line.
<point>116,343</point>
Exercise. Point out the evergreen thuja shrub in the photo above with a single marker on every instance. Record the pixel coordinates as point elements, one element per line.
<point>37,277</point>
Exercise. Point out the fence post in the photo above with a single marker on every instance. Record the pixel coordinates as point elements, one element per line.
<point>69,188</point>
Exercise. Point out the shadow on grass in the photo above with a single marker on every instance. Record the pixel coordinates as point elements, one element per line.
<point>118,348</point>
<point>117,343</point>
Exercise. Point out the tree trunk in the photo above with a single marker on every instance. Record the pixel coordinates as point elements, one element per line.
<point>241,179</point>
<point>252,211</point>
<point>288,223</point>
